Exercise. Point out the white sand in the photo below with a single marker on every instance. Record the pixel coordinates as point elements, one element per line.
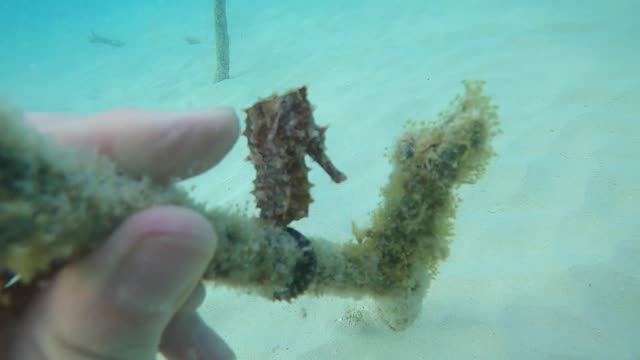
<point>544,264</point>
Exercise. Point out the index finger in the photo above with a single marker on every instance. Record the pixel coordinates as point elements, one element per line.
<point>161,145</point>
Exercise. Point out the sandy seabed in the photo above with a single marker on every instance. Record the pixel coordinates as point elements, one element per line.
<point>544,263</point>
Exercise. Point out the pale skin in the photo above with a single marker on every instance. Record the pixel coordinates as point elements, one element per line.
<point>137,294</point>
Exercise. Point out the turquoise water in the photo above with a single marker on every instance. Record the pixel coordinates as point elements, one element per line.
<point>544,260</point>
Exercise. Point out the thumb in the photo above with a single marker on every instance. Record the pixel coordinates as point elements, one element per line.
<point>117,302</point>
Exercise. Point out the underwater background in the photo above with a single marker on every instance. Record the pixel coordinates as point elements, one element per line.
<point>544,262</point>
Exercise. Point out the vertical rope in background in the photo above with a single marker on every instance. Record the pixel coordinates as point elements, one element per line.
<point>222,40</point>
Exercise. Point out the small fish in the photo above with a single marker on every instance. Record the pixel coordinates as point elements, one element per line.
<point>192,40</point>
<point>97,39</point>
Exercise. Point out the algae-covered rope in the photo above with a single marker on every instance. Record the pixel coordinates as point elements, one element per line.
<point>56,205</point>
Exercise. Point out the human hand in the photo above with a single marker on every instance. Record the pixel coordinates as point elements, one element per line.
<point>136,294</point>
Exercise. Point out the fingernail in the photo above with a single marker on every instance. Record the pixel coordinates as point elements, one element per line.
<point>160,271</point>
